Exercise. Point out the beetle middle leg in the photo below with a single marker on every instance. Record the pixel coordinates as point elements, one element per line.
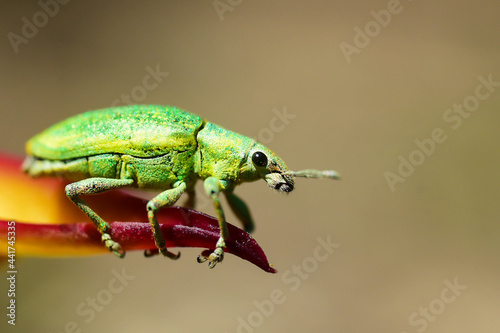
<point>95,186</point>
<point>166,198</point>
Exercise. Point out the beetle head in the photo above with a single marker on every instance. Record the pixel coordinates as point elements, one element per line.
<point>265,164</point>
<point>262,163</point>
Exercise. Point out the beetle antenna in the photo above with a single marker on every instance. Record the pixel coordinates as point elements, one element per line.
<point>311,173</point>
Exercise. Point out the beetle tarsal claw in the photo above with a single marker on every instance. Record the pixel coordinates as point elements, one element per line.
<point>169,254</point>
<point>213,257</point>
<point>153,252</point>
<point>112,245</point>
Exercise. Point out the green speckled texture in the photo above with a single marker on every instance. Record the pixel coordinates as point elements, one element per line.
<point>142,131</point>
<point>223,152</point>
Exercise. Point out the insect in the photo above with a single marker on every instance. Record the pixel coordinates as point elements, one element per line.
<point>157,147</point>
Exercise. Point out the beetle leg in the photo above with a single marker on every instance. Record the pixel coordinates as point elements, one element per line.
<point>166,198</point>
<point>213,187</point>
<point>95,186</point>
<point>240,209</point>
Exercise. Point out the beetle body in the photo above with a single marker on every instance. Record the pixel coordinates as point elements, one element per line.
<point>154,145</point>
<point>110,143</point>
<point>157,147</point>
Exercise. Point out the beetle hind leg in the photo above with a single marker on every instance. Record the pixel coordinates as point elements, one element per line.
<point>95,186</point>
<point>191,200</point>
<point>240,209</point>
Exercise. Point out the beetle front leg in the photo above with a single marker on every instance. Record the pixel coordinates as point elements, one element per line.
<point>166,198</point>
<point>95,186</point>
<point>213,187</point>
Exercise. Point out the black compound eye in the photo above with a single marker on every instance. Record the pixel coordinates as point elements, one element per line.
<point>259,159</point>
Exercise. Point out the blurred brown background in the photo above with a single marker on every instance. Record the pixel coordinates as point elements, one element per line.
<point>400,251</point>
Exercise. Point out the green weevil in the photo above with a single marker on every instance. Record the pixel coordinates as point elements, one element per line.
<point>156,147</point>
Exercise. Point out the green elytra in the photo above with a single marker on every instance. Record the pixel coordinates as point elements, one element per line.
<point>157,147</point>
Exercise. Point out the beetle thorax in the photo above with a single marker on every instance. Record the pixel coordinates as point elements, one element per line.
<point>221,153</point>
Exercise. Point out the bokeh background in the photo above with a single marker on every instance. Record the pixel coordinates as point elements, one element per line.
<point>234,62</point>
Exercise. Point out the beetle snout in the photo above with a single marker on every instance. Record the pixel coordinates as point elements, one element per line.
<point>279,182</point>
<point>284,187</point>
